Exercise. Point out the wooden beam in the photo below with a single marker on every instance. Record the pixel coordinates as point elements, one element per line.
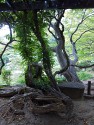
<point>48,5</point>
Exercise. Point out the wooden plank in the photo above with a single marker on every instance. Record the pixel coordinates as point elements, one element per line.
<point>89,88</point>
<point>48,5</point>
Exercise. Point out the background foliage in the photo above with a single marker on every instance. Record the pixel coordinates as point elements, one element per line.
<point>28,49</point>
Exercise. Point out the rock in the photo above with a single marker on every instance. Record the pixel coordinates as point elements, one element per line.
<point>72,89</point>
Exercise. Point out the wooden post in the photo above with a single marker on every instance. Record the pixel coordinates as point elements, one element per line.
<point>89,88</point>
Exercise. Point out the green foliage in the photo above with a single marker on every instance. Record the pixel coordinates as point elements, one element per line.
<point>61,80</point>
<point>6,76</point>
<point>84,45</point>
<point>85,63</point>
<point>29,46</point>
<point>84,75</point>
<point>42,83</point>
<point>21,80</point>
<point>1,1</point>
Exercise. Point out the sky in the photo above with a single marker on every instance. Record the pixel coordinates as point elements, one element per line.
<point>4,31</point>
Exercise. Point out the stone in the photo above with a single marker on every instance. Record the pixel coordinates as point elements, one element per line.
<point>74,90</point>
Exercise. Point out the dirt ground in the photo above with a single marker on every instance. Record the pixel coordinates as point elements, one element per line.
<point>83,114</point>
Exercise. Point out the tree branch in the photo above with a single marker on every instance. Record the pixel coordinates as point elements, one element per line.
<point>74,53</point>
<point>10,41</point>
<point>46,58</point>
<point>71,37</point>
<point>83,34</point>
<point>50,25</point>
<point>5,45</point>
<point>82,20</point>
<point>2,65</point>
<point>61,44</point>
<point>81,67</point>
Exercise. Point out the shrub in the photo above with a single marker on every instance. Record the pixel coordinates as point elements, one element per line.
<point>6,76</point>
<point>84,75</point>
<point>21,79</point>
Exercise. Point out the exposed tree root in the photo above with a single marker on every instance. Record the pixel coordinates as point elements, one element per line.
<point>36,102</point>
<point>67,101</point>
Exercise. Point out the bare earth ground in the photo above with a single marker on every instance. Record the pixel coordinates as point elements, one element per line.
<point>83,114</point>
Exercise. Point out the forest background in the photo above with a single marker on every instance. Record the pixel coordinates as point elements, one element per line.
<point>78,29</point>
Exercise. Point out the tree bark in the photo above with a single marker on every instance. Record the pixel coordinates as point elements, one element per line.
<point>70,74</point>
<point>47,67</point>
<point>63,59</point>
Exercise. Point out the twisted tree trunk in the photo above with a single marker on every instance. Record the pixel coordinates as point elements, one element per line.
<point>63,59</point>
<point>47,67</point>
